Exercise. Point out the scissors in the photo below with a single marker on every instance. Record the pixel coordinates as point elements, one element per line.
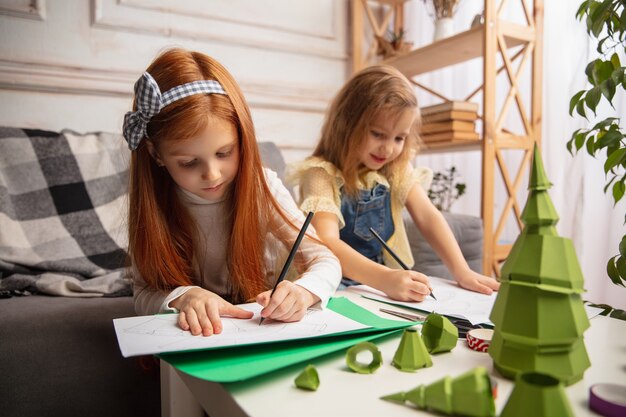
<point>462,325</point>
<point>406,316</point>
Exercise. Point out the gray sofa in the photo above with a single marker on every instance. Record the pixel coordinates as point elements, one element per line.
<point>59,355</point>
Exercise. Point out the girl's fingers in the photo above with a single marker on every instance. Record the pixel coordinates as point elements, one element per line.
<point>286,309</point>
<point>277,299</point>
<point>476,285</point>
<point>491,283</point>
<point>416,296</point>
<point>182,321</point>
<point>192,321</point>
<point>236,312</point>
<point>263,298</point>
<point>214,318</point>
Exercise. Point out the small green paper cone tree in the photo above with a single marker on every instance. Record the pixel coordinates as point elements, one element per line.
<point>439,334</point>
<point>411,354</point>
<point>542,280</point>
<point>308,379</point>
<point>537,395</point>
<point>468,394</point>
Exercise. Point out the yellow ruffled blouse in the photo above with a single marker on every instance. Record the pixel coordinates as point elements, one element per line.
<point>320,185</point>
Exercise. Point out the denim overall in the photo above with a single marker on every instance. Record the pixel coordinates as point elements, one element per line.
<point>372,209</point>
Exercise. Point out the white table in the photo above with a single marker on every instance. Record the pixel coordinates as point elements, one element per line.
<point>343,392</point>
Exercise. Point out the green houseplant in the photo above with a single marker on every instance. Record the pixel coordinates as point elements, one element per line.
<point>444,190</point>
<point>606,22</point>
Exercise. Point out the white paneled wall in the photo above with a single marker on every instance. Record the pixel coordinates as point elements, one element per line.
<point>72,63</point>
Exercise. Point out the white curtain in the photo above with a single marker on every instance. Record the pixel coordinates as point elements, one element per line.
<point>587,215</point>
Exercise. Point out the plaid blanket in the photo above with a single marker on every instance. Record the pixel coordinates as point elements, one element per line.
<point>62,213</point>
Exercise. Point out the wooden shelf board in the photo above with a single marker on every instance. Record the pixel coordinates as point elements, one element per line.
<point>453,50</point>
<point>454,146</point>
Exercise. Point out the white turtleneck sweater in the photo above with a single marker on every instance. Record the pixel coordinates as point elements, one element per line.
<point>210,269</point>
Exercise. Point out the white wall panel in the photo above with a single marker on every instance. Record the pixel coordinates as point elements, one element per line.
<point>72,64</point>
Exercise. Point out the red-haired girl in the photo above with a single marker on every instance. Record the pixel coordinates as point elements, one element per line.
<point>359,178</point>
<point>207,223</point>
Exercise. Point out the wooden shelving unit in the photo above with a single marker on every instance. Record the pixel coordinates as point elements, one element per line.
<point>496,36</point>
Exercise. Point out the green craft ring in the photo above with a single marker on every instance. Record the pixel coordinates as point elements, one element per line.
<point>362,368</point>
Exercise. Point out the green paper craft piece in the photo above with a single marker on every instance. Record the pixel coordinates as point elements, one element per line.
<point>567,363</point>
<point>469,394</point>
<point>308,379</point>
<point>417,396</point>
<point>472,394</point>
<point>362,368</point>
<point>411,354</point>
<point>399,397</point>
<point>438,395</point>
<point>537,395</point>
<point>538,178</point>
<point>439,334</point>
<point>538,304</point>
<point>541,280</point>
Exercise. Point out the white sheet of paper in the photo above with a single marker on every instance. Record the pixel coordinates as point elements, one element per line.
<point>452,300</point>
<point>149,335</point>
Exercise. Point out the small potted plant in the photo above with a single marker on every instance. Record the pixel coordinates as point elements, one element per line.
<point>442,11</point>
<point>393,44</point>
<point>444,190</point>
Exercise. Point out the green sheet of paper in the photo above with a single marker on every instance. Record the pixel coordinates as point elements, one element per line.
<point>241,363</point>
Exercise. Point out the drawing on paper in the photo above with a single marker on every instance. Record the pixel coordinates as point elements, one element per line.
<point>160,333</point>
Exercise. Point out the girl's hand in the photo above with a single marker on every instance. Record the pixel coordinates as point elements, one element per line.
<point>403,285</point>
<point>200,311</point>
<point>471,280</point>
<point>289,302</point>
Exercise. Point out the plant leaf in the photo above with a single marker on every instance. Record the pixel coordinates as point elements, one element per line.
<point>582,9</point>
<point>611,270</point>
<point>580,108</point>
<point>621,266</point>
<point>614,159</point>
<point>608,184</point>
<point>618,314</point>
<point>592,98</point>
<point>574,100</point>
<point>605,123</point>
<point>615,60</point>
<point>622,247</point>
<point>611,137</point>
<point>618,75</point>
<point>580,140</point>
<point>602,71</point>
<point>591,148</point>
<point>618,191</point>
<point>608,90</point>
<point>589,71</point>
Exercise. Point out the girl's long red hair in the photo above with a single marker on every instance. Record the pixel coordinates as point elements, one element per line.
<point>161,230</point>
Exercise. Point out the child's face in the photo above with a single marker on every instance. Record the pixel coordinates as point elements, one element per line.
<point>386,137</point>
<point>207,164</point>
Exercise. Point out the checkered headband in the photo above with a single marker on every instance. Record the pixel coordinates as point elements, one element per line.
<point>150,101</point>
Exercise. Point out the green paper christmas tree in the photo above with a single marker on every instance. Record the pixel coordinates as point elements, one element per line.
<point>411,354</point>
<point>538,313</point>
<point>468,394</point>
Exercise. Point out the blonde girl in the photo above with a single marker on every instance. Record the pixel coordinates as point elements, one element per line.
<point>359,177</point>
<point>207,222</point>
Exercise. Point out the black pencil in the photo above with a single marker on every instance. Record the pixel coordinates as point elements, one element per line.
<point>393,255</point>
<point>292,253</point>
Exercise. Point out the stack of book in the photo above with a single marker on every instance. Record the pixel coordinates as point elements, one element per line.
<point>452,121</point>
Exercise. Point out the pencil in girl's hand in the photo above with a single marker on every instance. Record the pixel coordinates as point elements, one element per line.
<point>292,253</point>
<point>393,255</point>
